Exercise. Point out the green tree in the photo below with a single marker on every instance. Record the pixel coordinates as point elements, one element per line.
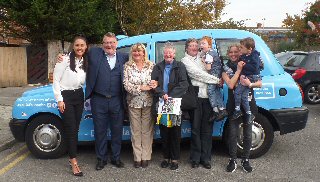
<point>139,16</point>
<point>39,21</point>
<point>312,22</point>
<point>304,34</point>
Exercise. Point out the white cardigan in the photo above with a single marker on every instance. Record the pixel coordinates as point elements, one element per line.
<point>198,74</point>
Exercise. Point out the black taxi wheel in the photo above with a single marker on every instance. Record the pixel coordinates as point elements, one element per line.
<point>45,137</point>
<point>262,137</point>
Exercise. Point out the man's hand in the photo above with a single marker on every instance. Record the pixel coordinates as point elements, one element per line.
<point>60,58</point>
<point>61,106</point>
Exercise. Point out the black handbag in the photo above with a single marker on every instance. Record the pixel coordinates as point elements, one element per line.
<point>189,99</point>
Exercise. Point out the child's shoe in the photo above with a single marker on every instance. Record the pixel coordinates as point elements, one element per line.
<point>213,117</point>
<point>236,115</point>
<point>222,114</point>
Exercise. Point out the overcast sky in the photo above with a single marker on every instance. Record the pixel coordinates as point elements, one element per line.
<point>268,12</point>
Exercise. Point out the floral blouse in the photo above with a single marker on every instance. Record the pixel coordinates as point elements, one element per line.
<point>133,78</point>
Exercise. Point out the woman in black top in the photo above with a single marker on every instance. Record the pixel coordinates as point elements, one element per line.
<point>231,74</point>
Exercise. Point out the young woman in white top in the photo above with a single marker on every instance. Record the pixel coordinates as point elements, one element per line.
<point>68,80</point>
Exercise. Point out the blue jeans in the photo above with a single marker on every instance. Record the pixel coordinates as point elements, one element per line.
<point>241,93</point>
<point>215,96</point>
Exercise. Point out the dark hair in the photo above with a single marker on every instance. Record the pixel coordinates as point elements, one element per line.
<point>188,41</point>
<point>248,43</point>
<point>73,55</point>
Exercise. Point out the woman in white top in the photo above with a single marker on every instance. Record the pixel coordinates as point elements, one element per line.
<point>68,80</point>
<point>201,130</point>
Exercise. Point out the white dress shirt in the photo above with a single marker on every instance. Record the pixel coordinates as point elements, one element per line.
<point>66,79</point>
<point>112,60</point>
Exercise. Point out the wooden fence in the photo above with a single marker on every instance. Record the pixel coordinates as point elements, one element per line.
<point>13,66</point>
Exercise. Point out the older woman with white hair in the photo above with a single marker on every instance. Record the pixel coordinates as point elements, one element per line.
<point>172,82</point>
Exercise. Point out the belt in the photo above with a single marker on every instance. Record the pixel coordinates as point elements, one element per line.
<point>101,95</point>
<point>72,90</point>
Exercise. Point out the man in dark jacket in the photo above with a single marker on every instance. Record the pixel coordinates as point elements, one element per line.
<point>105,89</point>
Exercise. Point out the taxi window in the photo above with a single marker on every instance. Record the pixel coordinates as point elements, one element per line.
<point>222,46</point>
<point>126,49</point>
<point>179,45</point>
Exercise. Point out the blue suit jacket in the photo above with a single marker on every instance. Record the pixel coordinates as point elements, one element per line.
<point>96,56</point>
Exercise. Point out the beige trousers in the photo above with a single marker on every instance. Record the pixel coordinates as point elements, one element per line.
<point>141,132</point>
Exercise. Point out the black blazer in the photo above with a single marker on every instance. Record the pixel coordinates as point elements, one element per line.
<point>96,56</point>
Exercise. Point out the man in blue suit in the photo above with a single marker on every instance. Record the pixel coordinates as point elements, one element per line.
<point>105,89</point>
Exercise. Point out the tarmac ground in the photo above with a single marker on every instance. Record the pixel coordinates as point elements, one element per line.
<point>8,95</point>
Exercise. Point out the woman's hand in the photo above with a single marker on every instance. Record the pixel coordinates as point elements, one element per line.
<point>165,97</point>
<point>240,65</point>
<point>244,81</point>
<point>145,87</point>
<point>61,106</point>
<point>221,82</point>
<point>153,84</point>
<point>208,66</point>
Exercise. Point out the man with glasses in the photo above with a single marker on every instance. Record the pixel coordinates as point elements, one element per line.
<point>105,89</point>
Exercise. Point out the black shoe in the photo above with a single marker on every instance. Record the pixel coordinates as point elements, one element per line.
<point>117,163</point>
<point>144,163</point>
<point>236,115</point>
<point>194,164</point>
<point>164,164</point>
<point>137,164</point>
<point>205,164</point>
<point>174,165</point>
<point>246,165</point>
<point>232,166</point>
<point>100,164</point>
<point>213,117</point>
<point>222,114</point>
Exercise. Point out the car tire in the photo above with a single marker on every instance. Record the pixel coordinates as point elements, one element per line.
<point>262,137</point>
<point>45,138</point>
<point>312,94</point>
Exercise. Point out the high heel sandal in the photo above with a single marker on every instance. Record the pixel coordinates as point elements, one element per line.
<point>75,165</point>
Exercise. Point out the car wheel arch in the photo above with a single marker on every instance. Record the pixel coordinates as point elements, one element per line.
<point>37,115</point>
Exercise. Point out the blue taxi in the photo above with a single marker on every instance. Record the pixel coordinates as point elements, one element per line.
<point>36,120</point>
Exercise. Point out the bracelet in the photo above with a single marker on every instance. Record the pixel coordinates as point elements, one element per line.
<point>250,85</point>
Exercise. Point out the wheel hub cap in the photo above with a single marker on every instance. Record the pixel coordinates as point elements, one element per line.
<point>46,137</point>
<point>258,136</point>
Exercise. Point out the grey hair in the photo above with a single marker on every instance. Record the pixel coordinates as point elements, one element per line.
<point>110,34</point>
<point>169,45</point>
